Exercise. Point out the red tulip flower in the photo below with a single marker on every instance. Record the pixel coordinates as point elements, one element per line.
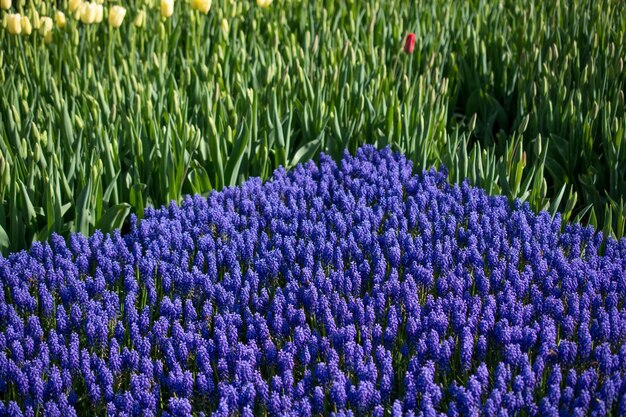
<point>409,44</point>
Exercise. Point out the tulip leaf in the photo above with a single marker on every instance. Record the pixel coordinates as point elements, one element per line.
<point>114,217</point>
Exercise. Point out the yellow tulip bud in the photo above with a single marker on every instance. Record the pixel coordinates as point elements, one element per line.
<point>161,31</point>
<point>24,149</point>
<point>167,8</point>
<point>140,19</point>
<point>116,16</point>
<point>59,17</point>
<point>80,123</point>
<point>99,13</point>
<point>74,33</point>
<point>74,5</point>
<point>203,6</point>
<point>36,131</point>
<point>27,28</point>
<point>36,20</point>
<point>14,23</point>
<point>225,27</point>
<point>88,13</point>
<point>37,151</point>
<point>5,4</point>
<point>263,3</point>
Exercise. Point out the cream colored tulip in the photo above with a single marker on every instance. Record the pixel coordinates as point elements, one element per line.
<point>59,18</point>
<point>167,8</point>
<point>99,13</point>
<point>203,6</point>
<point>263,3</point>
<point>74,5</point>
<point>46,25</point>
<point>140,19</point>
<point>14,23</point>
<point>88,13</point>
<point>46,29</point>
<point>116,16</point>
<point>27,28</point>
<point>5,4</point>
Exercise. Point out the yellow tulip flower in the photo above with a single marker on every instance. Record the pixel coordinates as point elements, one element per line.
<point>5,4</point>
<point>99,12</point>
<point>88,13</point>
<point>203,6</point>
<point>59,17</point>
<point>263,3</point>
<point>140,19</point>
<point>167,8</point>
<point>27,28</point>
<point>74,5</point>
<point>14,23</point>
<point>116,16</point>
<point>46,25</point>
<point>46,29</point>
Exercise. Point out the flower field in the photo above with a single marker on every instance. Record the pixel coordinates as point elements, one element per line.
<point>350,289</point>
<point>309,208</point>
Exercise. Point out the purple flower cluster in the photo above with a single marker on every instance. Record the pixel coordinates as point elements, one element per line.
<point>351,289</point>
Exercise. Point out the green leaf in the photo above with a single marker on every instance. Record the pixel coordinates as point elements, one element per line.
<point>277,123</point>
<point>4,238</point>
<point>136,199</point>
<point>30,209</point>
<point>114,217</point>
<point>53,208</point>
<point>82,210</point>
<point>234,160</point>
<point>554,206</point>
<point>581,214</point>
<point>68,130</point>
<point>306,152</point>
<point>215,151</point>
<point>110,188</point>
<point>199,179</point>
<point>593,219</point>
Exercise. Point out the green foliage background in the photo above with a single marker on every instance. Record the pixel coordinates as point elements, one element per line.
<point>525,99</point>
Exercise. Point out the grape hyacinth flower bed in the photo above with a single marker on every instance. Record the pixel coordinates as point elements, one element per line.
<point>348,289</point>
